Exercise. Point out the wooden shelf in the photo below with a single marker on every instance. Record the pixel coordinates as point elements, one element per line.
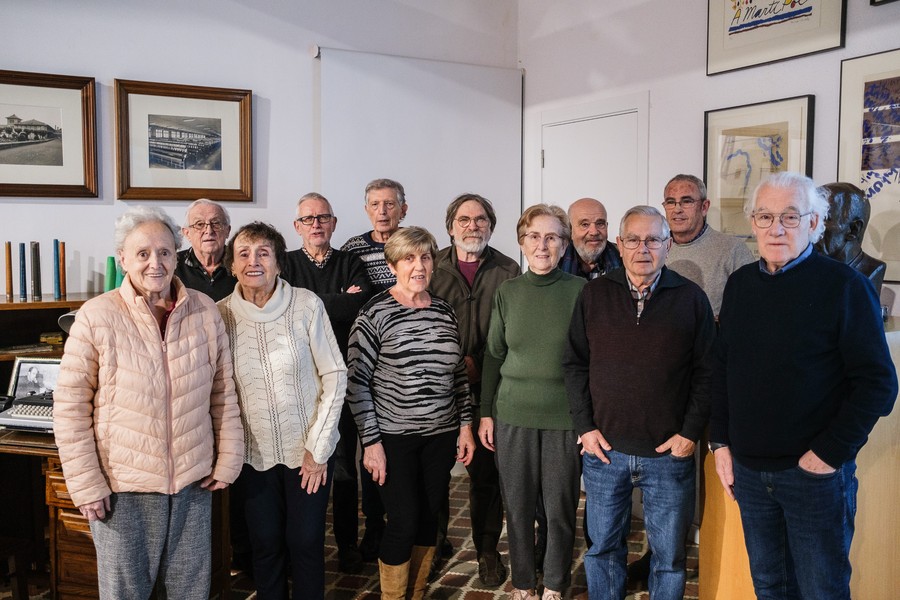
<point>71,301</point>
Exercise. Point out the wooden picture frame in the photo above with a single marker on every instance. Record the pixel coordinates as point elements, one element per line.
<point>747,33</point>
<point>48,142</point>
<point>744,144</point>
<point>183,142</point>
<point>869,148</point>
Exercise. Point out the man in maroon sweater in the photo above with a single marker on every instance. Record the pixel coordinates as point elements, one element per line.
<point>638,386</point>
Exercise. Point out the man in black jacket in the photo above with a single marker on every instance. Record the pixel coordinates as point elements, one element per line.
<point>466,274</point>
<point>339,279</point>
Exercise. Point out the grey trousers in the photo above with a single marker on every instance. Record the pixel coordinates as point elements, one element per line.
<point>146,537</point>
<point>541,462</point>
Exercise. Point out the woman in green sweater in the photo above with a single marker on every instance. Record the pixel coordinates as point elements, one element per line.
<point>523,393</point>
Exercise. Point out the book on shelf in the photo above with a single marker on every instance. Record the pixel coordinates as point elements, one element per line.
<point>30,349</point>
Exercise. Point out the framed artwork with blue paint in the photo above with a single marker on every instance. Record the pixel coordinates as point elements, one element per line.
<point>869,148</point>
<point>744,145</point>
<point>745,33</point>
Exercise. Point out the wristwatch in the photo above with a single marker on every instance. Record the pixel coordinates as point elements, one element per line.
<point>713,446</point>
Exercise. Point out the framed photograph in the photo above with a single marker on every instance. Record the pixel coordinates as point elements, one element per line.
<point>745,33</point>
<point>33,376</point>
<point>744,145</point>
<point>869,148</point>
<point>183,142</point>
<point>877,2</point>
<point>47,135</point>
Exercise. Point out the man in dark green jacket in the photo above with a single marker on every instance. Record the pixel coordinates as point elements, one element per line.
<point>466,274</point>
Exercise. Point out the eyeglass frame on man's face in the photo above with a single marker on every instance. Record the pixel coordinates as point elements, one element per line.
<point>200,226</point>
<point>652,243</point>
<point>480,221</point>
<point>307,221</point>
<point>781,218</point>
<point>684,203</point>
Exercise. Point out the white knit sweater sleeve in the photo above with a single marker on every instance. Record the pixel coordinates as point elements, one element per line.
<point>323,432</point>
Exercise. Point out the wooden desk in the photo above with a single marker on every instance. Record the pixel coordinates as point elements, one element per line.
<point>875,553</point>
<point>73,561</point>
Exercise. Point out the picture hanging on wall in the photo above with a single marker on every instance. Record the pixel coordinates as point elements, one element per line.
<point>183,142</point>
<point>745,33</point>
<point>869,148</point>
<point>744,145</point>
<point>47,135</point>
<point>877,2</point>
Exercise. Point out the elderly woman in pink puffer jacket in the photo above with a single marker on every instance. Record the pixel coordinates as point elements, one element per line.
<point>146,418</point>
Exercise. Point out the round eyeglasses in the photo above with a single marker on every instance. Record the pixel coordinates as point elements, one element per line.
<point>480,221</point>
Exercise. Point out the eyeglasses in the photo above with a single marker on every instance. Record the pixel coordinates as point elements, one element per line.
<point>534,239</point>
<point>308,219</point>
<point>789,220</point>
<point>480,221</point>
<point>684,203</point>
<point>652,243</point>
<point>200,226</point>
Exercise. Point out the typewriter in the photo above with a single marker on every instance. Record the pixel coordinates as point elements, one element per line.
<point>28,405</point>
<point>29,413</point>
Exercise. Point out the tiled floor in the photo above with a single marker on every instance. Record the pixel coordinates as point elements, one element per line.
<point>459,579</point>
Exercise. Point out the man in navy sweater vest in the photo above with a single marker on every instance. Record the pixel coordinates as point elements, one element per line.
<point>802,375</point>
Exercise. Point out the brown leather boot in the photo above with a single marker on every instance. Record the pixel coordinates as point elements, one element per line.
<point>419,567</point>
<point>393,580</point>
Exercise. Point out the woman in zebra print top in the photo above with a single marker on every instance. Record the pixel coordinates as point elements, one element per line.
<point>408,390</point>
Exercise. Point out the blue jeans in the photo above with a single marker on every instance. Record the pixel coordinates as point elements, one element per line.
<point>667,483</point>
<point>798,527</point>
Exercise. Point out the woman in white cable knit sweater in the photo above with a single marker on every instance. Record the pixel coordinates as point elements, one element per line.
<point>290,381</point>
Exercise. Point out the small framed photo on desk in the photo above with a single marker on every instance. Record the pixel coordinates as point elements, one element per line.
<point>33,377</point>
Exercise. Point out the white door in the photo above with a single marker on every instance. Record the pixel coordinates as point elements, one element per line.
<point>597,151</point>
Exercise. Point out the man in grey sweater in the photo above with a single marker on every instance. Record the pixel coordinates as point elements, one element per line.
<point>705,256</point>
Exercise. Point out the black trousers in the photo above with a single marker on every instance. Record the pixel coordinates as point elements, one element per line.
<point>418,479</point>
<point>485,502</point>
<point>345,495</point>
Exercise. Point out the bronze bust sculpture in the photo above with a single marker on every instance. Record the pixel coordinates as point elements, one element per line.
<point>848,216</point>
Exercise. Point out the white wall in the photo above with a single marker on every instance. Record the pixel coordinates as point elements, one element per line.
<point>261,45</point>
<point>575,51</point>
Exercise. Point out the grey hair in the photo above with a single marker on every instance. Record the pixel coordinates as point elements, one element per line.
<point>206,202</point>
<point>645,210</point>
<point>314,196</point>
<point>136,216</point>
<point>389,184</point>
<point>693,179</point>
<point>805,191</point>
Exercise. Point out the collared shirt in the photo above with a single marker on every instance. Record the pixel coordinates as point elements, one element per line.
<point>194,275</point>
<point>641,296</point>
<point>789,265</point>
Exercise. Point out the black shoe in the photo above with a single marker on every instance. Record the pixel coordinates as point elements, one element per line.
<point>370,544</point>
<point>242,561</point>
<point>491,571</point>
<point>446,549</point>
<point>350,560</point>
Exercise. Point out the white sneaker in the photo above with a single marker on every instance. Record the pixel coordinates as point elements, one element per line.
<point>551,595</point>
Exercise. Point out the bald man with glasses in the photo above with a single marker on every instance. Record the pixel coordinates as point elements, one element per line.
<point>206,226</point>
